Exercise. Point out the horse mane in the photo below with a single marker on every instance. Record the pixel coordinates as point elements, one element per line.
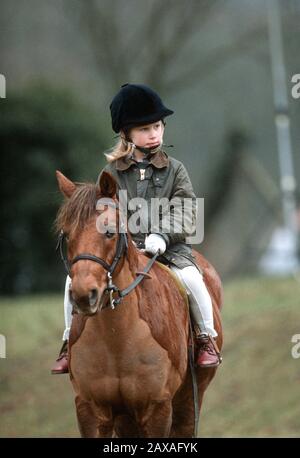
<point>78,209</point>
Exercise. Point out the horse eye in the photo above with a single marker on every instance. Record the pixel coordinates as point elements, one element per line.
<point>109,235</point>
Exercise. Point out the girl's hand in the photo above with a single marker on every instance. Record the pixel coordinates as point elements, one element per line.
<point>155,243</point>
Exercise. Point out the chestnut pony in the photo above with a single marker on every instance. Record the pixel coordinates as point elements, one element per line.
<point>128,365</point>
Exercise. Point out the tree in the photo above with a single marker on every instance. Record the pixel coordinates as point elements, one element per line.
<point>146,41</point>
<point>41,129</point>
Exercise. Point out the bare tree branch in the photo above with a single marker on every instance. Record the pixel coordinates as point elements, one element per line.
<point>149,50</point>
<point>187,22</point>
<point>150,29</point>
<point>105,39</point>
<point>202,69</point>
<point>160,37</point>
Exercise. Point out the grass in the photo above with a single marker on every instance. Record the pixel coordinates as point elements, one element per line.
<point>254,394</point>
<point>255,391</point>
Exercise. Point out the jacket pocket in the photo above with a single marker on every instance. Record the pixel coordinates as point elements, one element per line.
<point>160,177</point>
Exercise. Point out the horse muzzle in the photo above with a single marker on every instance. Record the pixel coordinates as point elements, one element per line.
<point>87,303</point>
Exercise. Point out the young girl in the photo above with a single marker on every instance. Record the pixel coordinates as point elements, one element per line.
<point>142,168</point>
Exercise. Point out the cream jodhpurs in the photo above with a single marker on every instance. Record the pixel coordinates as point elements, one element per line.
<point>67,309</point>
<point>199,298</point>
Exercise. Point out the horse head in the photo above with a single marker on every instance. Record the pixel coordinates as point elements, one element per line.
<point>88,220</point>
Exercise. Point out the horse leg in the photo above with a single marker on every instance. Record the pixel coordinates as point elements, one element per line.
<point>183,410</point>
<point>93,421</point>
<point>184,407</point>
<point>105,430</point>
<point>105,421</point>
<point>183,403</point>
<point>156,420</point>
<point>125,426</point>
<point>87,422</point>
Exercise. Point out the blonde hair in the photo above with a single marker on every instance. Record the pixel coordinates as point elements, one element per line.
<point>121,149</point>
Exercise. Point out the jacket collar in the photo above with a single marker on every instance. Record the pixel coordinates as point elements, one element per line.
<point>159,159</point>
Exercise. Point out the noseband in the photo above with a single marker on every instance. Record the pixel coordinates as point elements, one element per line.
<point>122,245</point>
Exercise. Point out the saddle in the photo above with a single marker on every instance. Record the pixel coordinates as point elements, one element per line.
<point>177,281</point>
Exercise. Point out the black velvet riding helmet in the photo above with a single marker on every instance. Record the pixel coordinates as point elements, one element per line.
<point>136,105</point>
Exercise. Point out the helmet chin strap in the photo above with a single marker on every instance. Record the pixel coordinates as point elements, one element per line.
<point>148,151</point>
<point>145,151</point>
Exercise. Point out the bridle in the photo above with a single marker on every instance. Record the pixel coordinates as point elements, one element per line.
<point>121,250</point>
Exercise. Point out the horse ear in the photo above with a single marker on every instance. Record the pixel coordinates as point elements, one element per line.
<point>66,186</point>
<point>107,185</point>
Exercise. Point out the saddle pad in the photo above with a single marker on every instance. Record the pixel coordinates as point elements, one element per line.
<point>179,284</point>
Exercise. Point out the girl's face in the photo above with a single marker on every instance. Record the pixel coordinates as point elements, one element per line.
<point>148,135</point>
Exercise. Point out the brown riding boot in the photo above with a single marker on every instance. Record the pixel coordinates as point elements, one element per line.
<point>61,366</point>
<point>209,354</point>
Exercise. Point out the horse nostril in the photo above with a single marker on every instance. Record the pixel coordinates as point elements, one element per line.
<point>84,301</point>
<point>93,297</point>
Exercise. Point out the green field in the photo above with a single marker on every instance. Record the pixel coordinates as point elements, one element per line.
<point>255,392</point>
